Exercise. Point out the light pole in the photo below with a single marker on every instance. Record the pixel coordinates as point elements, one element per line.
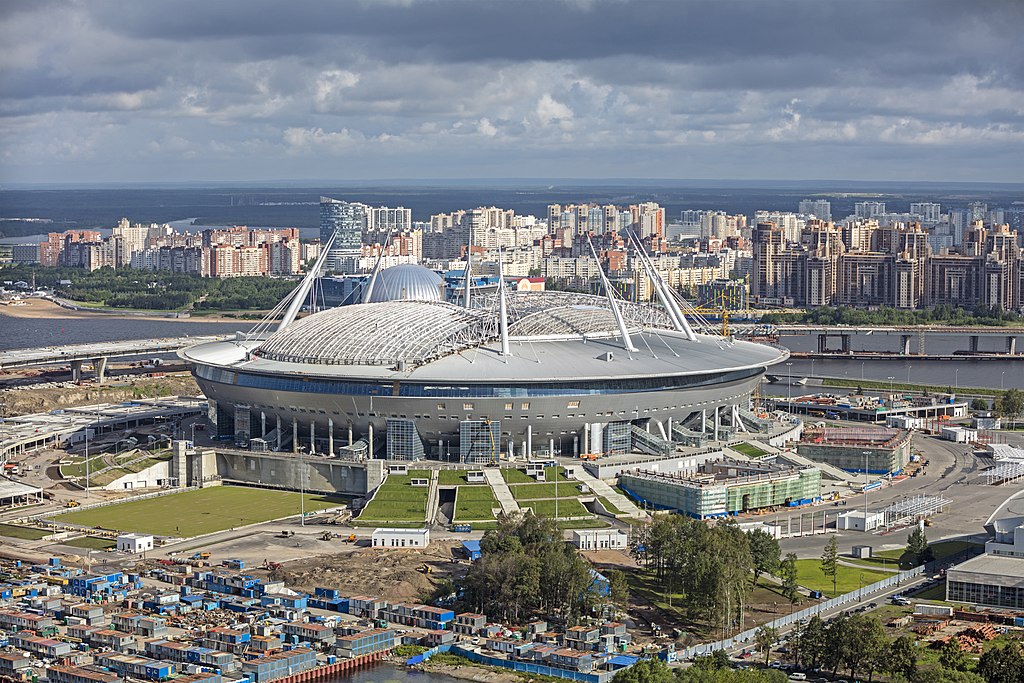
<point>812,367</point>
<point>87,460</point>
<point>891,378</point>
<point>956,378</point>
<point>302,489</point>
<point>866,454</point>
<point>789,384</point>
<point>1001,375</point>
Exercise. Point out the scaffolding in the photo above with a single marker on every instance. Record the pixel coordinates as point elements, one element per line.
<point>479,441</point>
<point>1004,473</point>
<point>616,438</point>
<point>648,443</point>
<point>911,510</point>
<point>403,440</point>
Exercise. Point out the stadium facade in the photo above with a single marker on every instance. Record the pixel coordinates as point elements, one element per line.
<point>407,375</point>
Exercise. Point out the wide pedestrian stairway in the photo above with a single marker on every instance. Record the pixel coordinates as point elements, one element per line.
<point>501,490</point>
<point>605,491</point>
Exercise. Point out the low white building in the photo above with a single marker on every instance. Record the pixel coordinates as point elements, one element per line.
<point>858,520</point>
<point>134,543</point>
<point>401,538</point>
<point>600,539</point>
<point>959,434</point>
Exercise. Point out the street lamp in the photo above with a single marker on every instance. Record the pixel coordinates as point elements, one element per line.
<point>1001,375</point>
<point>891,378</point>
<point>956,378</point>
<point>862,370</point>
<point>789,384</point>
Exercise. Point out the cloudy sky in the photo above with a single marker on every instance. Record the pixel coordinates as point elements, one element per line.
<point>408,89</point>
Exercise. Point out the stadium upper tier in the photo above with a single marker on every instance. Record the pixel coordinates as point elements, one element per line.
<point>553,336</point>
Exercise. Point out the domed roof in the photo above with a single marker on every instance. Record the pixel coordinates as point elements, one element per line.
<point>407,282</point>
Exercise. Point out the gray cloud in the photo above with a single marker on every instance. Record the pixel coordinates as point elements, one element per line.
<point>251,89</point>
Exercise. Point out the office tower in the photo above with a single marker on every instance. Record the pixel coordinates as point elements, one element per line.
<point>347,221</point>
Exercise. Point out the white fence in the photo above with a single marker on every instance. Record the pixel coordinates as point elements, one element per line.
<point>796,617</point>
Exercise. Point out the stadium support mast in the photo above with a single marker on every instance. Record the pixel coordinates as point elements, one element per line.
<point>368,292</point>
<point>303,289</point>
<point>502,307</point>
<point>627,341</point>
<point>466,282</point>
<point>671,307</point>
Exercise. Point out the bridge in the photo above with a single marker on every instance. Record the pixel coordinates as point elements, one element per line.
<point>97,353</point>
<point>907,334</point>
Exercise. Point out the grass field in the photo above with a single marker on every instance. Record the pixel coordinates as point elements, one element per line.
<point>397,501</point>
<point>512,475</point>
<point>454,478</point>
<point>847,578</point>
<point>12,531</point>
<point>203,511</point>
<point>609,506</point>
<point>748,449</point>
<point>536,491</point>
<point>567,507</point>
<point>90,543</point>
<point>476,502</point>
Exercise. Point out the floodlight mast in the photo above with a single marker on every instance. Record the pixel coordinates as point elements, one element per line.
<point>303,288</point>
<point>627,341</point>
<point>502,308</point>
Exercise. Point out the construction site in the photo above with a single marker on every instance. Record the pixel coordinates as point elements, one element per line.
<point>875,450</point>
<point>724,487</point>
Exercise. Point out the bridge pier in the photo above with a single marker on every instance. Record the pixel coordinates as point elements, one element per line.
<point>844,341</point>
<point>1011,344</point>
<point>905,344</point>
<point>974,343</point>
<point>100,365</point>
<point>76,371</point>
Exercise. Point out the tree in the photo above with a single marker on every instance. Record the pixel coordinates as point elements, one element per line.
<point>764,639</point>
<point>813,641</point>
<point>618,588</point>
<point>788,574</point>
<point>947,676</point>
<point>830,561</point>
<point>764,553</point>
<point>645,671</point>
<point>1010,403</point>
<point>952,657</point>
<point>917,546</point>
<point>1002,664</point>
<point>902,659</point>
<point>715,661</point>
<point>979,405</point>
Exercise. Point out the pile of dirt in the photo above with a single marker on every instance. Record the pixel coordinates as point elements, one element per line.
<point>392,574</point>
<point>44,400</point>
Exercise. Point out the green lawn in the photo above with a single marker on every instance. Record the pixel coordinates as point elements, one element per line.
<point>609,506</point>
<point>475,502</point>
<point>12,531</point>
<point>397,501</point>
<point>847,579</point>
<point>204,511</point>
<point>513,475</point>
<point>90,543</point>
<point>77,467</point>
<point>536,491</point>
<point>567,507</point>
<point>748,449</point>
<point>550,474</point>
<point>454,478</point>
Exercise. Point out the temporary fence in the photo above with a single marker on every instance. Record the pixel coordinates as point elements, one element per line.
<point>796,617</point>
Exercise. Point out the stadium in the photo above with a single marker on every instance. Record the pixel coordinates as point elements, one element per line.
<point>407,375</point>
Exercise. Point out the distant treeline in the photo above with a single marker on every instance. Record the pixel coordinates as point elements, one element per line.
<point>937,315</point>
<point>158,291</point>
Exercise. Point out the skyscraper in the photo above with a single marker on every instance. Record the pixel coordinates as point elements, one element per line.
<point>819,208</point>
<point>347,221</point>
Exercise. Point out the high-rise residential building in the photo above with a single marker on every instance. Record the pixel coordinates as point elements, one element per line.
<point>929,212</point>
<point>387,219</point>
<point>790,223</point>
<point>868,209</point>
<point>346,220</point>
<point>819,208</point>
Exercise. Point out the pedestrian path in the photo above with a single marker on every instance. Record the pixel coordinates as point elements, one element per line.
<point>501,490</point>
<point>605,491</point>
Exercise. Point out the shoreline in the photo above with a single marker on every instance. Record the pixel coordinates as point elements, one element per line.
<point>35,309</point>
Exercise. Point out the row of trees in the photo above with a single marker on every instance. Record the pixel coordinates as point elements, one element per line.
<point>942,314</point>
<point>527,569</point>
<point>125,288</point>
<point>712,669</point>
<point>714,567</point>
